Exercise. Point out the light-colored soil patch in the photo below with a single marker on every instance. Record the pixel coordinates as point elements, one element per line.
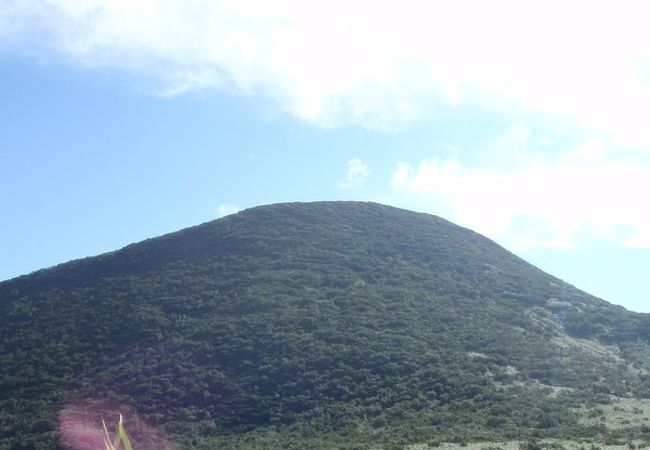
<point>550,444</point>
<point>621,413</point>
<point>591,347</point>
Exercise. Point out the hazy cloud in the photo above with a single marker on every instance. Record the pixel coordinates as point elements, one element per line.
<point>537,201</point>
<point>377,64</point>
<point>357,173</point>
<point>225,209</point>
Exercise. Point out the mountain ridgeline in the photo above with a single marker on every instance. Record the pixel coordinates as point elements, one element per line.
<point>318,325</point>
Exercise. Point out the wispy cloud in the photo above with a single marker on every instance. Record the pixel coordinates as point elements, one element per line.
<point>376,64</point>
<point>225,209</point>
<point>536,199</point>
<point>356,175</point>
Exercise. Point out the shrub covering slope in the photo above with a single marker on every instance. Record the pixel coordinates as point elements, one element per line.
<point>317,319</point>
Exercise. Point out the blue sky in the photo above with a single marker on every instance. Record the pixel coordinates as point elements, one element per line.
<point>124,120</point>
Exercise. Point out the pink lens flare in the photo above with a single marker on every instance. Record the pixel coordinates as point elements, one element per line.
<point>80,427</point>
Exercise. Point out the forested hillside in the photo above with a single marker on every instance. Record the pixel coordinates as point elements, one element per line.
<point>319,324</point>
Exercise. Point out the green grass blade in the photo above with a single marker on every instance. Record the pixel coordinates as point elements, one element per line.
<point>122,435</point>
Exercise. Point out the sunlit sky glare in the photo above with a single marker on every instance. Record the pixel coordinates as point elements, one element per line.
<point>524,121</point>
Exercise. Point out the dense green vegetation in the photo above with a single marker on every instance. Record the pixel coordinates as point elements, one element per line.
<point>312,326</point>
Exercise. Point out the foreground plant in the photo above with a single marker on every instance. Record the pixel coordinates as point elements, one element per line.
<point>120,437</point>
<point>82,427</point>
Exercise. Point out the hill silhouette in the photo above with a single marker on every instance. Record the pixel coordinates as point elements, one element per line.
<point>320,324</point>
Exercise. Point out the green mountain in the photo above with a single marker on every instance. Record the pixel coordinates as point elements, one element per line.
<point>319,325</point>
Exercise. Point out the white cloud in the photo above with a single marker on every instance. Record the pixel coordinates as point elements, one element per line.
<point>356,175</point>
<point>538,201</point>
<point>225,209</point>
<point>372,63</point>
